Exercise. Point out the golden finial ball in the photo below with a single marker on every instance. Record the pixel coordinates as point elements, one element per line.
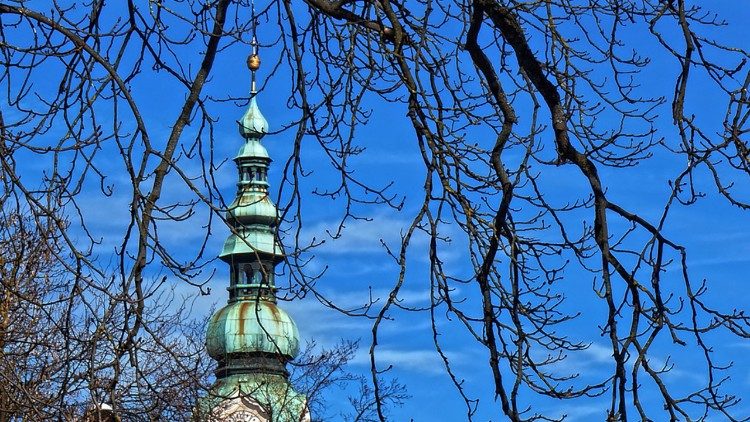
<point>253,62</point>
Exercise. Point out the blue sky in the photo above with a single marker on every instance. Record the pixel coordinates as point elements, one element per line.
<point>358,267</point>
<point>717,236</point>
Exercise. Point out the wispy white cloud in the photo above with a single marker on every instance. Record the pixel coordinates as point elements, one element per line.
<point>327,326</point>
<point>368,237</point>
<point>598,354</point>
<point>357,236</point>
<point>732,258</point>
<point>597,359</point>
<point>424,361</point>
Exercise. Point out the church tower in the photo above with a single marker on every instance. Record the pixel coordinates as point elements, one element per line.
<point>252,338</point>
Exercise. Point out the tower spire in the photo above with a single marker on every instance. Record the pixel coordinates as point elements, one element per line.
<point>251,338</point>
<point>253,62</point>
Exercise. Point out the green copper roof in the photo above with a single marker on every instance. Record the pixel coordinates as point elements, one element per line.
<point>252,241</point>
<point>252,148</point>
<point>252,207</point>
<point>250,327</point>
<point>253,124</point>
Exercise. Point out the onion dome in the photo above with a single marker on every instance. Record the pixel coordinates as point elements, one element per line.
<point>252,149</point>
<point>249,241</point>
<point>252,327</point>
<point>252,208</point>
<point>253,124</point>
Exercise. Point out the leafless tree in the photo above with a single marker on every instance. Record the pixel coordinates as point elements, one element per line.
<point>54,367</point>
<point>95,326</point>
<point>95,318</point>
<point>503,96</point>
<point>26,304</point>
